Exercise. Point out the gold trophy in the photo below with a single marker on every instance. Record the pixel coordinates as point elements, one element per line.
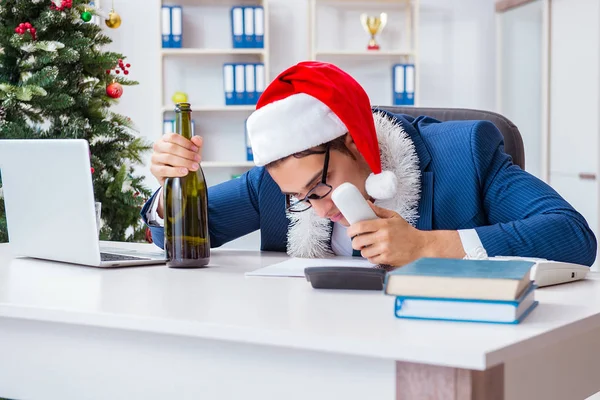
<point>373,25</point>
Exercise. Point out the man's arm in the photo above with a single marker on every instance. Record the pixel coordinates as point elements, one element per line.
<point>233,209</point>
<point>526,216</point>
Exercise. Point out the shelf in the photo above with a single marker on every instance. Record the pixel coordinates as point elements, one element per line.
<point>364,53</point>
<point>227,3</point>
<point>227,164</point>
<point>213,52</point>
<point>370,2</point>
<point>213,108</point>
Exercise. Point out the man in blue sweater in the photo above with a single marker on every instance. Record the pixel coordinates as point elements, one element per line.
<point>441,189</point>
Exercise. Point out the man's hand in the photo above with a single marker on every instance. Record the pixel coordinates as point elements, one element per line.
<point>174,156</point>
<point>390,240</point>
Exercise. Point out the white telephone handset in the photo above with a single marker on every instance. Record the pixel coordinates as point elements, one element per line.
<point>352,204</point>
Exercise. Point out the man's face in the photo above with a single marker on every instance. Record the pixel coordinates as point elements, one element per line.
<point>297,176</point>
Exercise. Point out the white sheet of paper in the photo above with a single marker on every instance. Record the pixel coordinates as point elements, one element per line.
<point>295,266</point>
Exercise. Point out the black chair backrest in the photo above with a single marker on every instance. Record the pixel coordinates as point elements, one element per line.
<point>513,142</point>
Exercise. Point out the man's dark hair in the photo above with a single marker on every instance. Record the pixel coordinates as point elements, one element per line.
<point>338,144</point>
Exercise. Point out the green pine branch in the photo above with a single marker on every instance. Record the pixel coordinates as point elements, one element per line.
<point>55,87</point>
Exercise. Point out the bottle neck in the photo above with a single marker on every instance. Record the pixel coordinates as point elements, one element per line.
<point>183,123</point>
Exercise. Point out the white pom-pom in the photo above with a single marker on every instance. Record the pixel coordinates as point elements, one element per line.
<point>382,186</point>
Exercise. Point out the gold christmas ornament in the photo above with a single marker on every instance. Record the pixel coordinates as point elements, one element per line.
<point>114,20</point>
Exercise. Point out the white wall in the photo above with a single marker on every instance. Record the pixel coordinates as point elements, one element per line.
<point>574,104</point>
<point>520,77</point>
<point>457,40</point>
<point>458,61</point>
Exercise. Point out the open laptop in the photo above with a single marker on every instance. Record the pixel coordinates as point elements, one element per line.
<point>49,203</point>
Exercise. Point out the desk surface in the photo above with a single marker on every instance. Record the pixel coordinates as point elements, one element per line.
<point>221,303</point>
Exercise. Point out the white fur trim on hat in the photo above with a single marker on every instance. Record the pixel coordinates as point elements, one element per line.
<point>293,124</point>
<point>382,186</point>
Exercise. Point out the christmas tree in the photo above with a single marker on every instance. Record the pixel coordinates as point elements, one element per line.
<point>57,82</point>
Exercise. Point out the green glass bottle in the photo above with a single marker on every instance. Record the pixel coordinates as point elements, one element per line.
<point>187,242</point>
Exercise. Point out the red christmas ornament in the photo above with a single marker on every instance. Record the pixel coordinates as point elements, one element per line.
<point>93,170</point>
<point>114,90</point>
<point>63,5</point>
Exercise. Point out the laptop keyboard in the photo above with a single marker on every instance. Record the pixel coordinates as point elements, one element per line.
<point>119,257</point>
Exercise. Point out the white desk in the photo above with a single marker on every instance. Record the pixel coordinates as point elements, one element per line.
<point>72,332</point>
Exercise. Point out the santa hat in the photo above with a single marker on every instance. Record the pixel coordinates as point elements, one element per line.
<point>310,104</point>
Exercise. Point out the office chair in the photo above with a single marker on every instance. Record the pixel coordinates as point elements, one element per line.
<point>513,143</point>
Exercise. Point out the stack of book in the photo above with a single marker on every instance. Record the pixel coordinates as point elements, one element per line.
<point>463,290</point>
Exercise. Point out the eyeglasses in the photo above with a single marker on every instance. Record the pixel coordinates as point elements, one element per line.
<point>318,192</point>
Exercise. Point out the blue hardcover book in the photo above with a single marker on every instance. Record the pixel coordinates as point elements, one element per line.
<point>399,92</point>
<point>166,26</point>
<point>467,310</point>
<point>176,27</point>
<point>237,27</point>
<point>259,27</point>
<point>458,278</point>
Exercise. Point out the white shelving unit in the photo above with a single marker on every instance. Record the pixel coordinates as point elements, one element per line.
<point>197,70</point>
<point>211,52</point>
<point>399,41</point>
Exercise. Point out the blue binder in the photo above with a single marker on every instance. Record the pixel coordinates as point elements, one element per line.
<point>399,84</point>
<point>237,27</point>
<point>168,126</point>
<point>259,27</point>
<point>249,154</point>
<point>259,79</point>
<point>250,84</point>
<point>176,27</point>
<point>409,75</point>
<point>249,41</point>
<point>229,84</point>
<point>239,84</point>
<point>166,26</point>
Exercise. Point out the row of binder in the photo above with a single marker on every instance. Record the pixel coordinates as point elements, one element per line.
<point>172,26</point>
<point>404,84</point>
<point>169,126</point>
<point>243,83</point>
<point>247,27</point>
